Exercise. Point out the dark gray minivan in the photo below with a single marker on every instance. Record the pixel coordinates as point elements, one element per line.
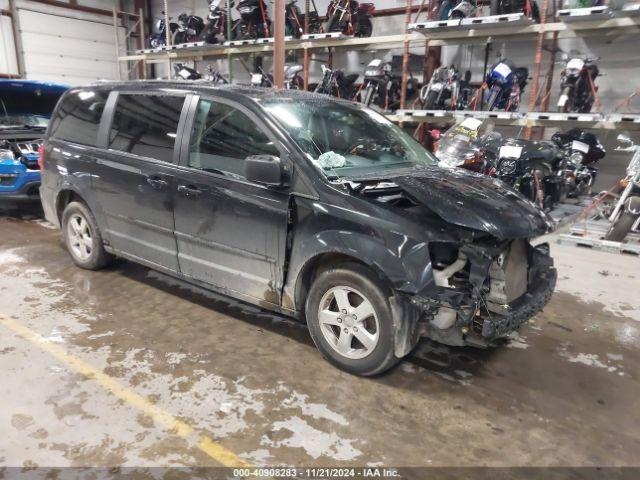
<point>303,204</point>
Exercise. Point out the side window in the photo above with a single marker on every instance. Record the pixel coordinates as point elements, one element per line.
<point>146,125</point>
<point>223,137</point>
<point>78,117</point>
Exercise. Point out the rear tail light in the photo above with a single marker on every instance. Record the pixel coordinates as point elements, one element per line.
<point>41,155</point>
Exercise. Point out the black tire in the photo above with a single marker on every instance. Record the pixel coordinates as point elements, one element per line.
<point>332,24</point>
<point>98,257</point>
<point>364,29</point>
<point>352,275</point>
<point>432,99</point>
<point>621,227</point>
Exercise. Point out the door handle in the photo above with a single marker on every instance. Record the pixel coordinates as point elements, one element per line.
<point>157,182</point>
<point>189,191</point>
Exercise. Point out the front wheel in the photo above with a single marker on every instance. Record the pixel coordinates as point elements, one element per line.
<point>432,99</point>
<point>492,99</point>
<point>82,237</point>
<point>350,320</point>
<point>621,227</point>
<point>364,28</point>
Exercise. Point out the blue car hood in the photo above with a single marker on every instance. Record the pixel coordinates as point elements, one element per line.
<point>30,96</point>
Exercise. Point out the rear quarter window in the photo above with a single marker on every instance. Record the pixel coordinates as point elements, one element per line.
<point>78,116</point>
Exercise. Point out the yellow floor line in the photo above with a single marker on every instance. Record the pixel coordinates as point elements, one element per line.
<point>214,450</point>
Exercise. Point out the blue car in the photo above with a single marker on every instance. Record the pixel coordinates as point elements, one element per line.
<point>25,108</point>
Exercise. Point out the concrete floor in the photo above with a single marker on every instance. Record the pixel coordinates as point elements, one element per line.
<point>128,367</point>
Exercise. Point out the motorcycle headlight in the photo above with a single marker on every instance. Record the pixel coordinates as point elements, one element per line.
<point>507,166</point>
<point>576,158</point>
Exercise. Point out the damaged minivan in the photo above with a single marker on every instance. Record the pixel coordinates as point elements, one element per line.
<point>303,204</point>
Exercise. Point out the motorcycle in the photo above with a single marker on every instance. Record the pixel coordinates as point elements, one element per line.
<point>215,30</point>
<point>336,83</point>
<point>186,73</point>
<point>380,87</point>
<point>625,216</point>
<point>292,79</point>
<point>528,7</point>
<point>189,28</point>
<point>533,168</point>
<point>253,22</point>
<point>350,18</point>
<point>442,91</point>
<point>577,84</point>
<point>294,20</point>
<point>582,150</point>
<point>213,76</point>
<point>159,37</point>
<point>505,85</point>
<point>463,9</point>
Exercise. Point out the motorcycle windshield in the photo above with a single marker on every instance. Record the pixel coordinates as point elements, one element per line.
<point>462,140</point>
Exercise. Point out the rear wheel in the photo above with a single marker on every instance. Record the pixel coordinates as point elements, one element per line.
<point>369,93</point>
<point>432,99</point>
<point>621,227</point>
<point>350,320</point>
<point>82,237</point>
<point>364,28</point>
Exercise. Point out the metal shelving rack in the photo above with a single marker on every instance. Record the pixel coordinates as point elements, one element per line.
<point>576,23</point>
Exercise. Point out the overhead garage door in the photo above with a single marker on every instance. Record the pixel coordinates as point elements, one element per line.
<point>65,49</point>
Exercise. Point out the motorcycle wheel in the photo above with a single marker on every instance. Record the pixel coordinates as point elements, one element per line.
<point>565,108</point>
<point>180,37</point>
<point>492,98</point>
<point>369,92</point>
<point>430,102</point>
<point>332,24</point>
<point>621,227</point>
<point>364,28</point>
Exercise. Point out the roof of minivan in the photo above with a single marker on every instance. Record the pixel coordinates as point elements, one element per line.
<point>246,91</point>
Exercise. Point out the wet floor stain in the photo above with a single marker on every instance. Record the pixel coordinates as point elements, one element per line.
<point>254,381</point>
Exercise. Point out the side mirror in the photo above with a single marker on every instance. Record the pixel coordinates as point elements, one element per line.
<point>264,169</point>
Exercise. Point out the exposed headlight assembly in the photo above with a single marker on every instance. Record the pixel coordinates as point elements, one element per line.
<point>7,156</point>
<point>576,158</point>
<point>507,166</point>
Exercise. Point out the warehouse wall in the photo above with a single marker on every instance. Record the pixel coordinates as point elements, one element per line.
<point>60,44</point>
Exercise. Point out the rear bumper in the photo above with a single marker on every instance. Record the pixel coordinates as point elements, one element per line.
<point>28,192</point>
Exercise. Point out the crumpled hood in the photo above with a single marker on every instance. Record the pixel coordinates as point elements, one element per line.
<point>475,201</point>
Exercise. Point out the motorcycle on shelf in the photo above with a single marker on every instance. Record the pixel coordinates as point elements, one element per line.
<point>215,31</point>
<point>577,84</point>
<point>253,22</point>
<point>380,87</point>
<point>443,90</point>
<point>505,85</point>
<point>350,18</point>
<point>159,37</point>
<point>528,7</point>
<point>292,78</point>
<point>186,73</point>
<point>463,9</point>
<point>336,83</point>
<point>189,28</point>
<point>582,151</point>
<point>533,168</point>
<point>213,76</point>
<point>294,20</point>
<point>625,216</point>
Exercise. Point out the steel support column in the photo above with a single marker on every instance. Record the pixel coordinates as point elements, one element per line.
<point>278,44</point>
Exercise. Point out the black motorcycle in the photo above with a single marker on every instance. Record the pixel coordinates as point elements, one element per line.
<point>336,83</point>
<point>186,73</point>
<point>532,168</point>
<point>582,150</point>
<point>528,7</point>
<point>253,22</point>
<point>190,28</point>
<point>294,20</point>
<point>215,31</point>
<point>577,84</point>
<point>350,17</point>
<point>380,88</point>
<point>159,37</point>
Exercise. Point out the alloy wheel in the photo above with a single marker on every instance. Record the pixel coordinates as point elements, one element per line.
<point>80,237</point>
<point>348,322</point>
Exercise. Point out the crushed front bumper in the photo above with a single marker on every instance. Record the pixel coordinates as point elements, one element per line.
<point>475,322</point>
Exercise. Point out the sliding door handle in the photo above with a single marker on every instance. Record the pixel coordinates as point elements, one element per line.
<point>189,191</point>
<point>157,182</point>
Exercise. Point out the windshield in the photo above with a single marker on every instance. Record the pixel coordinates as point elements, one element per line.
<point>22,120</point>
<point>347,141</point>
